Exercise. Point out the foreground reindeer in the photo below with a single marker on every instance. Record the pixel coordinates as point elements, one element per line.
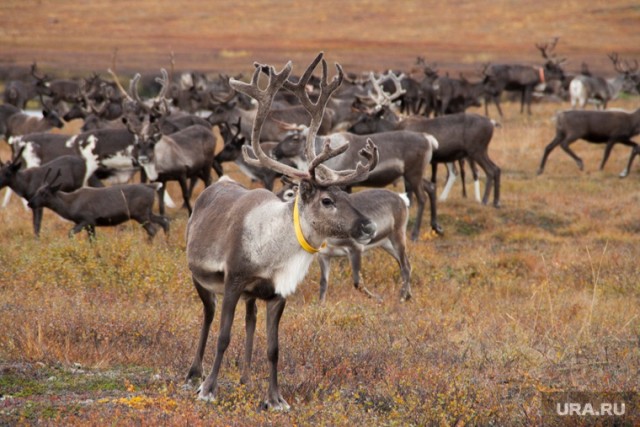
<point>249,244</point>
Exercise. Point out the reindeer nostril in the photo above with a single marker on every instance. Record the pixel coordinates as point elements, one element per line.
<point>368,228</point>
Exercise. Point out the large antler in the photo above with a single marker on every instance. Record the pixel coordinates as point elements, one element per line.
<point>264,97</point>
<point>316,110</point>
<point>34,69</point>
<point>322,174</point>
<point>318,172</point>
<point>619,67</point>
<point>548,51</point>
<point>383,98</point>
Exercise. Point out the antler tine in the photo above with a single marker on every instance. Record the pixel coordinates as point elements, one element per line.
<point>164,84</point>
<point>161,99</point>
<point>397,83</point>
<point>265,99</point>
<point>34,69</point>
<point>615,59</point>
<point>117,82</point>
<point>133,88</point>
<point>326,176</point>
<point>316,110</point>
<point>382,97</point>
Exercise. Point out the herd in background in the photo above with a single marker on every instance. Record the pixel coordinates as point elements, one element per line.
<point>162,128</point>
<point>320,137</point>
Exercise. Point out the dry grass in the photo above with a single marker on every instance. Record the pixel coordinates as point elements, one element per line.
<point>539,295</point>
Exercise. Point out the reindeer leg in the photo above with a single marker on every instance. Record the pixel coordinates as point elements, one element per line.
<point>492,171</point>
<point>207,390</point>
<point>161,191</point>
<point>635,151</point>
<point>607,152</point>
<point>275,308</point>
<point>37,220</point>
<point>218,168</point>
<point>7,197</point>
<point>476,181</point>
<point>462,178</point>
<point>565,146</point>
<point>355,257</point>
<point>250,329</point>
<point>548,149</point>
<point>209,303</point>
<point>430,189</point>
<point>395,247</point>
<point>451,179</point>
<point>421,196</point>
<point>185,193</point>
<point>325,269</point>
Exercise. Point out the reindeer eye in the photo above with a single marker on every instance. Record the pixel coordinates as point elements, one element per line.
<point>326,202</point>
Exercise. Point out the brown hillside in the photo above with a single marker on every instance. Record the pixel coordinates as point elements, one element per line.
<point>365,34</point>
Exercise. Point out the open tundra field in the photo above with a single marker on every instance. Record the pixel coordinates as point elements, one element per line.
<point>540,295</point>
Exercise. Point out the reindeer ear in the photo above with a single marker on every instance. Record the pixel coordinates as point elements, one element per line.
<point>306,190</point>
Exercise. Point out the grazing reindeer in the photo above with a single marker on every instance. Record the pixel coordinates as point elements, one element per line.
<point>585,87</point>
<point>107,206</point>
<point>599,127</point>
<point>249,244</point>
<point>25,182</point>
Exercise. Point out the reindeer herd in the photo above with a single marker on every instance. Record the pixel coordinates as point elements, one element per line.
<point>320,136</point>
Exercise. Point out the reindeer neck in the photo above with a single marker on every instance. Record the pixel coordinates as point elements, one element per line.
<point>19,182</point>
<point>61,203</point>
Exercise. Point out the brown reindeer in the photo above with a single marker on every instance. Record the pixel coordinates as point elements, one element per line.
<point>249,244</point>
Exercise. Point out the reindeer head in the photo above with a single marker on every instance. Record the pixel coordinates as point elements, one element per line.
<point>46,192</point>
<point>553,65</point>
<point>319,193</point>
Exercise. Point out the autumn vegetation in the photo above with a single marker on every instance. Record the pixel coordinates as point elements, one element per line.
<point>539,295</point>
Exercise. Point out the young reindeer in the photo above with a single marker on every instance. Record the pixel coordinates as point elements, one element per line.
<point>248,244</point>
<point>390,212</point>
<point>25,182</point>
<point>106,206</point>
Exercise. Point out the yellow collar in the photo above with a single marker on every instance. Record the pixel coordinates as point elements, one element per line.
<point>296,225</point>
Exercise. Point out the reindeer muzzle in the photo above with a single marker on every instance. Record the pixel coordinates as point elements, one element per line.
<point>365,231</point>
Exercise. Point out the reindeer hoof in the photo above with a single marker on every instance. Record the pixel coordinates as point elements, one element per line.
<point>278,404</point>
<point>206,392</point>
<point>438,229</point>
